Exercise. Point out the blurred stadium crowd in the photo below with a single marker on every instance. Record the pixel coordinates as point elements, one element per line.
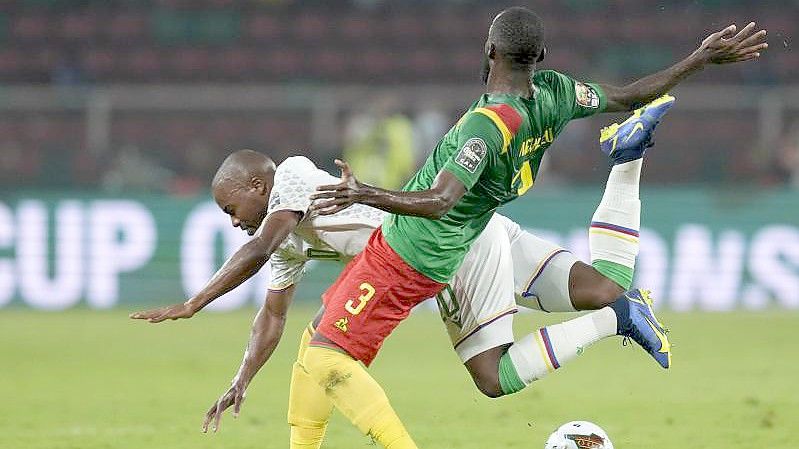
<point>78,46</point>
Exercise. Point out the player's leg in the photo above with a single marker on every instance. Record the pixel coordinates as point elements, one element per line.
<point>357,396</point>
<point>613,236</point>
<point>551,279</point>
<point>478,306</point>
<point>561,283</point>
<point>309,408</point>
<point>477,311</point>
<point>615,226</point>
<point>375,292</point>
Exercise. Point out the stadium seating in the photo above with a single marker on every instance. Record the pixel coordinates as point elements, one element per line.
<point>99,42</point>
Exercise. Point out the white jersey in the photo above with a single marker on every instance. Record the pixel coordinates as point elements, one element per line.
<point>330,237</point>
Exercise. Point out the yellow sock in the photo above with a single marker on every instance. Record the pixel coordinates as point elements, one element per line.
<point>357,396</point>
<point>309,407</point>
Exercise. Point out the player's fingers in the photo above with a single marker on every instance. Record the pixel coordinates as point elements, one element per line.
<point>320,206</point>
<point>218,416</point>
<point>237,404</point>
<point>333,210</point>
<point>754,39</point>
<point>748,57</point>
<point>739,58</point>
<point>744,31</point>
<point>345,168</point>
<point>208,416</point>
<point>752,49</point>
<point>339,186</point>
<point>147,314</point>
<point>334,202</point>
<point>330,194</point>
<point>727,32</point>
<point>159,318</point>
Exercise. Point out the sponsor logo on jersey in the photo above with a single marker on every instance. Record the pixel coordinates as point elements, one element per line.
<point>586,95</point>
<point>471,154</point>
<point>592,441</point>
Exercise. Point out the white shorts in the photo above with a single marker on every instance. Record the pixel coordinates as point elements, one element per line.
<point>504,264</point>
<point>540,270</point>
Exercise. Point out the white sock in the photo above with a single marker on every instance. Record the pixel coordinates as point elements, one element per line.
<point>613,237</point>
<point>547,349</point>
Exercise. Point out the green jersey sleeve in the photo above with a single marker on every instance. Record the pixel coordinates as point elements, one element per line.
<point>574,99</point>
<point>479,141</point>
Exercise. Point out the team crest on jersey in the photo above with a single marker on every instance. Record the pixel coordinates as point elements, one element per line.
<point>586,95</point>
<point>471,154</point>
<point>592,441</point>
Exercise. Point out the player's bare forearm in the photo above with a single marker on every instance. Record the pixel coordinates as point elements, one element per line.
<point>432,203</point>
<point>267,328</point>
<point>250,258</point>
<point>723,47</point>
<point>424,203</point>
<point>646,89</point>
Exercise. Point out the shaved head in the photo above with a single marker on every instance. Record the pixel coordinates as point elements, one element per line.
<point>516,37</point>
<point>240,167</point>
<point>241,188</point>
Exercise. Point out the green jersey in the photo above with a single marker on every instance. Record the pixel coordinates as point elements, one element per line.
<point>495,149</point>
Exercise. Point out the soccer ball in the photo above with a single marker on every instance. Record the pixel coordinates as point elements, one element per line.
<point>579,435</point>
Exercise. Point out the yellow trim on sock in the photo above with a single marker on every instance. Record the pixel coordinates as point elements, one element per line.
<point>617,235</point>
<point>542,347</point>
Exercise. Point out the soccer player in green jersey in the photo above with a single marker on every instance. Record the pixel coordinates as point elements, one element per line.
<point>489,158</point>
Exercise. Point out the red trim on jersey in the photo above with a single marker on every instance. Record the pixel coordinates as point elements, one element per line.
<point>509,116</point>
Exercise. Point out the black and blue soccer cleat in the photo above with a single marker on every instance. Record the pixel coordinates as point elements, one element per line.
<point>636,320</point>
<point>629,140</point>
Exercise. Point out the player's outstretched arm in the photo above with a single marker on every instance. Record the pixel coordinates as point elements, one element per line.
<point>432,203</point>
<point>267,328</point>
<point>241,266</point>
<point>722,47</point>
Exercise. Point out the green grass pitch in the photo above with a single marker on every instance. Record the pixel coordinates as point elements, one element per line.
<point>92,380</point>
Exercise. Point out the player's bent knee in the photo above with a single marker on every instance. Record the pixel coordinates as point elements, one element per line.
<point>489,387</point>
<point>484,369</point>
<point>590,290</point>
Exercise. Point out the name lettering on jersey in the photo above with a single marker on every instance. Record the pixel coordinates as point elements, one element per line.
<point>471,154</point>
<point>532,144</point>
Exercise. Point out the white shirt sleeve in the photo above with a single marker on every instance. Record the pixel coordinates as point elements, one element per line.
<point>292,187</point>
<point>285,271</point>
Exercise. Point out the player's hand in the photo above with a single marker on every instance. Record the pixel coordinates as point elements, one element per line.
<point>234,396</point>
<point>338,196</point>
<point>172,312</point>
<point>726,46</point>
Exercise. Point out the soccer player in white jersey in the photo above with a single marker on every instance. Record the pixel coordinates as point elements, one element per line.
<point>477,308</point>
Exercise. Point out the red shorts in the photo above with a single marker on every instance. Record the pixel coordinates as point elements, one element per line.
<point>376,291</point>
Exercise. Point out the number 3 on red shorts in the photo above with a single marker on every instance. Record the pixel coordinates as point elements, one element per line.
<point>368,291</point>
